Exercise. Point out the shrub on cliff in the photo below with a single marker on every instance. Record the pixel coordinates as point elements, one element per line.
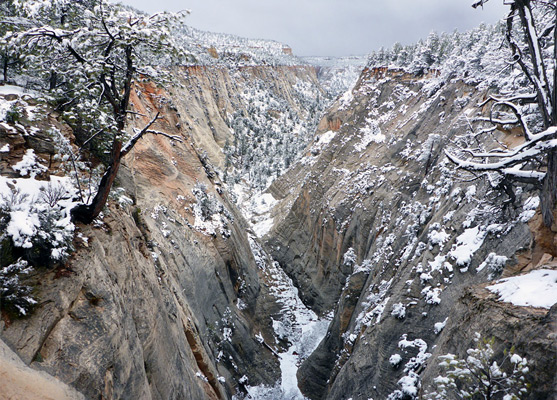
<point>15,297</point>
<point>35,231</point>
<point>479,376</point>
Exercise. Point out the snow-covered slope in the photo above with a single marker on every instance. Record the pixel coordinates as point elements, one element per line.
<point>210,48</point>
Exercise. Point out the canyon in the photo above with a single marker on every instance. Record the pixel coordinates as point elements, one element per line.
<point>201,282</point>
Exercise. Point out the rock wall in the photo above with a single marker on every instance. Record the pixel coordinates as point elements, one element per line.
<point>376,225</point>
<point>163,297</point>
<point>206,97</point>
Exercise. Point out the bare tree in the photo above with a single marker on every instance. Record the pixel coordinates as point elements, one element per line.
<point>531,35</point>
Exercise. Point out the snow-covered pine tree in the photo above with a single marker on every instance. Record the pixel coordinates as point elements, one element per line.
<point>479,376</point>
<point>87,54</point>
<point>15,297</point>
<point>9,55</point>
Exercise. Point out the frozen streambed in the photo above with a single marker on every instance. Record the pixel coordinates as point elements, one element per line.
<point>304,330</point>
<point>295,323</point>
<point>300,326</point>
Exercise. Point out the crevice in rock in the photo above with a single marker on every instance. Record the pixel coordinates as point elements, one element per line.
<point>201,360</point>
<point>49,331</point>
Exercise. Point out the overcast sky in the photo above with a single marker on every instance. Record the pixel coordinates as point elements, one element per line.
<point>331,27</point>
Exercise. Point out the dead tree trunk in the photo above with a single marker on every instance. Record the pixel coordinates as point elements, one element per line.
<point>119,101</point>
<point>53,80</point>
<point>5,68</point>
<point>86,213</point>
<point>546,95</point>
<point>549,190</point>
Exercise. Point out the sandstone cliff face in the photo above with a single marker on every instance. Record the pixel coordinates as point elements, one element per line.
<point>163,298</point>
<point>21,382</point>
<point>143,307</point>
<point>375,224</point>
<point>207,97</point>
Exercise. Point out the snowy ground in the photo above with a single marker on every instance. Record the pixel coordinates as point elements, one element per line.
<point>256,208</point>
<point>9,89</point>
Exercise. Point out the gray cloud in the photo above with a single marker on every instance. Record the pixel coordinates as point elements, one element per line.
<point>331,27</point>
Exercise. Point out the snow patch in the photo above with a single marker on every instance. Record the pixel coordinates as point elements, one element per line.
<point>410,383</point>
<point>529,208</point>
<point>349,257</point>
<point>370,133</point>
<point>210,214</point>
<point>29,165</point>
<point>322,141</point>
<point>256,208</point>
<point>438,236</point>
<point>365,267</point>
<point>10,89</point>
<point>263,227</point>
<point>467,244</point>
<point>439,326</point>
<point>399,311</point>
<point>431,295</point>
<point>346,99</point>
<point>535,289</point>
<point>373,306</point>
<point>494,264</point>
<point>395,360</point>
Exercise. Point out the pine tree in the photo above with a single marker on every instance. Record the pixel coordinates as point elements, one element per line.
<point>88,54</point>
<point>479,376</point>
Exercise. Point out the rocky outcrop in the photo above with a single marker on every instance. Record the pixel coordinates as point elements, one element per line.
<point>21,382</point>
<point>528,330</point>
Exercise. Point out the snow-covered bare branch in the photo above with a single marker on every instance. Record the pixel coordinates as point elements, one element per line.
<point>530,110</point>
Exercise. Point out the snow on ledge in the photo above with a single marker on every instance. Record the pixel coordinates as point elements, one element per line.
<point>10,89</point>
<point>535,289</point>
